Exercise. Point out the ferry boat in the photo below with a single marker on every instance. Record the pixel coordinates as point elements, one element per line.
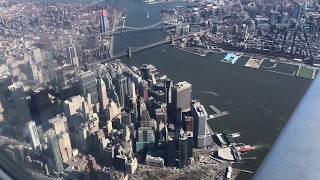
<point>245,148</point>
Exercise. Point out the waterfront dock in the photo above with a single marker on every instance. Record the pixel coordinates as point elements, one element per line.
<point>217,112</point>
<point>306,72</point>
<point>195,51</point>
<point>254,63</point>
<point>231,58</point>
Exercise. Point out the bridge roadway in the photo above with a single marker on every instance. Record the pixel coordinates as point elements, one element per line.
<point>165,41</point>
<point>119,31</point>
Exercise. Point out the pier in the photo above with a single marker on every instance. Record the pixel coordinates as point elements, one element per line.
<point>217,112</point>
<point>231,58</point>
<point>246,171</point>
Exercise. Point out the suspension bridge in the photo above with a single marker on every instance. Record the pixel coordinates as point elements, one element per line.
<point>127,29</point>
<point>131,50</point>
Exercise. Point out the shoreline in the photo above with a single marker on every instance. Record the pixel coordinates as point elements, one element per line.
<point>281,60</point>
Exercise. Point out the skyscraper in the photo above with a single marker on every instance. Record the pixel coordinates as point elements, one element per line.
<point>72,55</point>
<point>132,92</point>
<point>102,94</point>
<point>168,87</point>
<point>33,133</point>
<point>171,152</point>
<point>89,85</point>
<point>74,105</point>
<point>145,139</point>
<point>81,137</point>
<point>121,87</point>
<point>54,151</point>
<point>21,106</point>
<point>200,117</point>
<point>143,89</point>
<point>181,95</point>
<point>104,21</point>
<point>20,101</point>
<point>297,10</point>
<point>183,149</point>
<point>59,124</point>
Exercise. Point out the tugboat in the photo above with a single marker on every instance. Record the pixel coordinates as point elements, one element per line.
<point>235,135</point>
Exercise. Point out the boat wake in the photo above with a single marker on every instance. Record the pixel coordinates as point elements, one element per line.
<point>207,92</point>
<point>164,50</point>
<point>261,146</point>
<point>265,110</point>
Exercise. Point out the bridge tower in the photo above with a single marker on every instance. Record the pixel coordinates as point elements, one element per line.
<point>129,52</point>
<point>172,39</point>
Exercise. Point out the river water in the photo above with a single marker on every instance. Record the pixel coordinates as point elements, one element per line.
<point>259,102</point>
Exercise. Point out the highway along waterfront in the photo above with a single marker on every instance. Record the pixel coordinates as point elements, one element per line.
<point>259,102</point>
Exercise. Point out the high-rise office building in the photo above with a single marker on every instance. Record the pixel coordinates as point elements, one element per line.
<point>41,106</point>
<point>200,130</point>
<point>59,124</point>
<point>168,88</point>
<point>37,55</point>
<point>33,134</point>
<point>75,105</point>
<point>54,150</point>
<point>104,21</point>
<point>143,114</point>
<point>8,113</point>
<point>143,89</point>
<point>188,124</point>
<point>121,87</point>
<point>297,10</point>
<point>171,152</point>
<point>183,149</point>
<point>81,137</point>
<point>145,139</point>
<point>65,146</point>
<point>132,92</point>
<point>20,105</point>
<point>148,72</point>
<point>73,55</point>
<point>102,94</point>
<point>88,85</point>
<point>113,110</point>
<point>181,95</point>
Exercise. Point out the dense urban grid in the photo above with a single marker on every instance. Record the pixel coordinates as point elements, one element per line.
<point>63,114</point>
<point>278,28</point>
